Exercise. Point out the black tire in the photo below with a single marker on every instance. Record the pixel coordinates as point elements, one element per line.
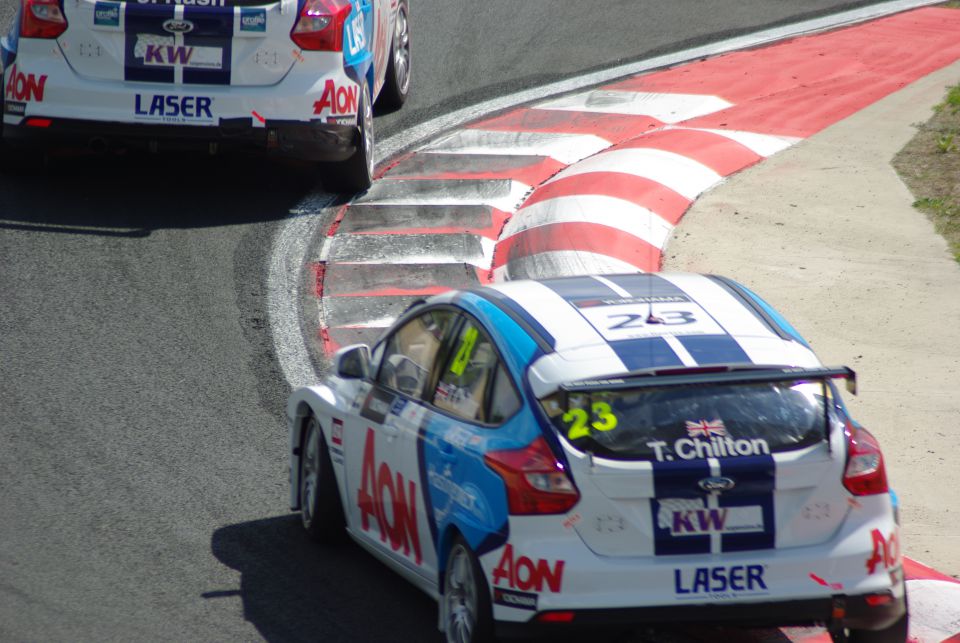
<point>896,633</point>
<point>468,616</point>
<point>321,511</point>
<point>356,173</point>
<point>396,85</point>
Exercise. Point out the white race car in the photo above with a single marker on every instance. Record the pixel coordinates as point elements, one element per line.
<point>295,77</point>
<point>617,450</point>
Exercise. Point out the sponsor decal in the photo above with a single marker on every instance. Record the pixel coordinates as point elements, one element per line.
<point>336,435</point>
<point>466,496</point>
<point>377,405</point>
<point>622,301</point>
<point>253,19</point>
<point>187,3</point>
<point>709,520</point>
<point>819,581</point>
<point>338,100</point>
<point>173,108</point>
<point>390,500</point>
<point>816,511</point>
<point>162,51</point>
<point>175,26</point>
<point>525,574</point>
<point>719,582</point>
<point>17,109</point>
<point>715,447</point>
<point>25,87</point>
<point>106,14</point>
<point>571,520</point>
<point>356,36</point>
<point>706,429</point>
<point>886,552</point>
<point>512,598</point>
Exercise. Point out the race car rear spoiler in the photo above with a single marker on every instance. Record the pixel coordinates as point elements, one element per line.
<point>712,375</point>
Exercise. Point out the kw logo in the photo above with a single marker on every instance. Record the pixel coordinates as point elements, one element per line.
<point>167,55</point>
<point>698,521</point>
<point>391,501</point>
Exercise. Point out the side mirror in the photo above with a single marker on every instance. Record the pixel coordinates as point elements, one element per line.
<point>352,362</point>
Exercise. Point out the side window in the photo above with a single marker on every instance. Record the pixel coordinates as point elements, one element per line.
<point>409,354</point>
<point>473,384</point>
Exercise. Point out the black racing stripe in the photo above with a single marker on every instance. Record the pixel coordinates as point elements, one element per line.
<point>714,349</point>
<point>645,352</point>
<point>544,340</point>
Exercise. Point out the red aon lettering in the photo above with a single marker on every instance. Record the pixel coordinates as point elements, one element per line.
<point>378,483</point>
<point>525,575</point>
<point>886,551</point>
<point>25,86</point>
<point>339,100</point>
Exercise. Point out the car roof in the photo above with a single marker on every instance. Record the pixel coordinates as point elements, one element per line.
<point>600,325</point>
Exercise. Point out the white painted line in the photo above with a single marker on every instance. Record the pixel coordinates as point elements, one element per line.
<point>482,260</point>
<point>566,148</point>
<point>679,173</point>
<point>667,108</point>
<point>623,292</point>
<point>616,213</point>
<point>561,263</point>
<point>762,144</point>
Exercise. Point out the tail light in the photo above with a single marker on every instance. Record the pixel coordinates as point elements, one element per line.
<point>865,474</point>
<point>319,26</point>
<point>42,19</point>
<point>536,483</point>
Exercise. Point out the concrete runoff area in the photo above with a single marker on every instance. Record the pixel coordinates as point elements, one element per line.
<point>826,232</point>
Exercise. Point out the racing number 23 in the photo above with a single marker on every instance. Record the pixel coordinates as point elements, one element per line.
<point>603,420</point>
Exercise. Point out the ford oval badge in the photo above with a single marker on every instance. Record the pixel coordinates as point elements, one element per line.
<point>717,484</point>
<point>177,26</point>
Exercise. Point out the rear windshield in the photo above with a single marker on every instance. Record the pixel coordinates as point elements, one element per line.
<point>692,422</point>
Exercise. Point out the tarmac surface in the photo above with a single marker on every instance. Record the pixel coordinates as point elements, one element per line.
<point>826,232</point>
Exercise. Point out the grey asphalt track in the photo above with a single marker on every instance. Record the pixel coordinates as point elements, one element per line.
<point>142,444</point>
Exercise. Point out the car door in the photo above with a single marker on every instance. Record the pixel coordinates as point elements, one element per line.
<point>384,484</point>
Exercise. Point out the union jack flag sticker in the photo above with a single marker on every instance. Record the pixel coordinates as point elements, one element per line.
<point>706,429</point>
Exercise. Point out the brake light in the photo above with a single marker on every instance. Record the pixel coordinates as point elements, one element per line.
<point>865,474</point>
<point>319,26</point>
<point>556,617</point>
<point>536,483</point>
<point>42,19</point>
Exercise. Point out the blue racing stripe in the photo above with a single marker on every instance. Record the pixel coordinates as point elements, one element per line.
<point>580,289</point>
<point>646,285</point>
<point>756,478</point>
<point>677,480</point>
<point>214,28</point>
<point>714,349</point>
<point>647,352</point>
<point>141,22</point>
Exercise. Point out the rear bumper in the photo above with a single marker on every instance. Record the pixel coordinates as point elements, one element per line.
<point>311,141</point>
<point>839,611</point>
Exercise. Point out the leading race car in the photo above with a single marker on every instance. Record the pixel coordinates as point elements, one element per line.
<point>623,450</point>
<point>295,77</point>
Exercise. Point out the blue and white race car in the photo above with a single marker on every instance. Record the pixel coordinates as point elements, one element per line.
<point>609,450</point>
<point>294,77</point>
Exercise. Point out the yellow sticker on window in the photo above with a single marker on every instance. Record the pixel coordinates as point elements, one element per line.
<point>466,350</point>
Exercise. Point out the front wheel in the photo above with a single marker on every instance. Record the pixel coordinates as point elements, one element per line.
<point>468,617</point>
<point>320,508</point>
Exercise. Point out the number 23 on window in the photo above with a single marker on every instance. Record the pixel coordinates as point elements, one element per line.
<point>602,419</point>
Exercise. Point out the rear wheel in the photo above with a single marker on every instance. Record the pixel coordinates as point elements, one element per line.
<point>468,617</point>
<point>356,173</point>
<point>320,508</point>
<point>396,86</point>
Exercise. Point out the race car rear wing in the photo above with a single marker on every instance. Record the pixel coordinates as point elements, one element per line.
<point>712,375</point>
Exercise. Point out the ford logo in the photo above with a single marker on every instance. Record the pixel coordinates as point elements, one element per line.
<point>178,26</point>
<point>717,484</point>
